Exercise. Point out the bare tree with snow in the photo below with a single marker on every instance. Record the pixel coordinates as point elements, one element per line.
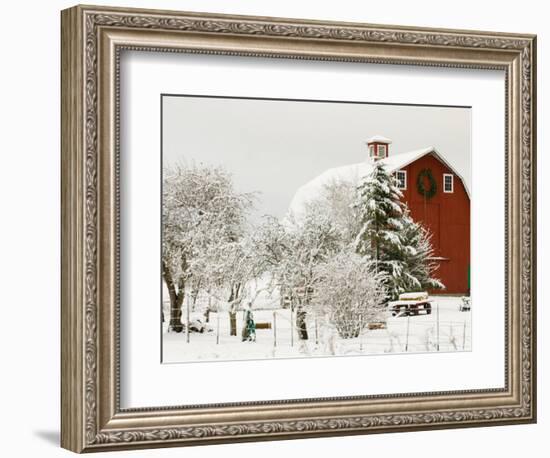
<point>292,250</point>
<point>202,214</point>
<point>232,269</point>
<point>337,200</point>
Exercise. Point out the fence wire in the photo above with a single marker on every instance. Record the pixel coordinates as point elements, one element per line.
<point>280,330</point>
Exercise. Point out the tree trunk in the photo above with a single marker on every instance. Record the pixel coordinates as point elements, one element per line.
<point>235,291</point>
<point>233,323</point>
<point>176,299</point>
<point>208,308</point>
<point>301,314</point>
<point>301,323</point>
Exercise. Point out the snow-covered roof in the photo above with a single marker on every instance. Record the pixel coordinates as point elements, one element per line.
<point>378,139</point>
<point>354,172</point>
<point>398,161</point>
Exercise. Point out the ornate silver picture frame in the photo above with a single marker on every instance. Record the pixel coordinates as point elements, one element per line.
<point>93,40</point>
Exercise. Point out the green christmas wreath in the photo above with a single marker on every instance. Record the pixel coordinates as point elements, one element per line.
<point>430,192</point>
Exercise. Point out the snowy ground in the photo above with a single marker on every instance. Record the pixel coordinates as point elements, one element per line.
<point>403,334</point>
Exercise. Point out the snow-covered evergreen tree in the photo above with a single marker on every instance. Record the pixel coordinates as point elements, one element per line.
<point>399,247</point>
<point>418,266</point>
<point>380,211</point>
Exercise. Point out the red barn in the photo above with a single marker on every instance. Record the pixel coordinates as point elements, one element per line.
<point>438,198</point>
<point>435,194</point>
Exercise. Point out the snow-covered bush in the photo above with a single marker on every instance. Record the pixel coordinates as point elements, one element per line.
<point>349,293</point>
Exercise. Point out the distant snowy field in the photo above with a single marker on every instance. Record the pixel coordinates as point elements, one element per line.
<point>445,331</point>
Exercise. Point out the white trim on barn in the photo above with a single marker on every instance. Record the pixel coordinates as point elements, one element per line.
<point>452,187</point>
<point>401,182</point>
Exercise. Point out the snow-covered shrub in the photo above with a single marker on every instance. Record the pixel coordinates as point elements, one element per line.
<point>197,325</point>
<point>349,293</point>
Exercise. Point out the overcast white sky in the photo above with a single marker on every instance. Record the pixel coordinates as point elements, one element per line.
<point>275,146</point>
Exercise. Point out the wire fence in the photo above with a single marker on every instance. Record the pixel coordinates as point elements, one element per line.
<point>280,329</point>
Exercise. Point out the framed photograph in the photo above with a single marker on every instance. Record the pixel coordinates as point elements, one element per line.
<point>278,228</point>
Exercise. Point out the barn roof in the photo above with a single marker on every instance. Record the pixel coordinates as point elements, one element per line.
<point>354,172</point>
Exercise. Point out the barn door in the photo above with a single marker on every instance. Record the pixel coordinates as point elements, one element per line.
<point>428,215</point>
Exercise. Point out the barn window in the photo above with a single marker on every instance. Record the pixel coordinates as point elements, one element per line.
<point>401,178</point>
<point>448,182</point>
<point>382,151</point>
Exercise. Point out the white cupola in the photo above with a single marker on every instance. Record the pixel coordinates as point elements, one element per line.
<point>379,147</point>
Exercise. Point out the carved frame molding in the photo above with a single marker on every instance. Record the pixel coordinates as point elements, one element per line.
<point>92,39</point>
